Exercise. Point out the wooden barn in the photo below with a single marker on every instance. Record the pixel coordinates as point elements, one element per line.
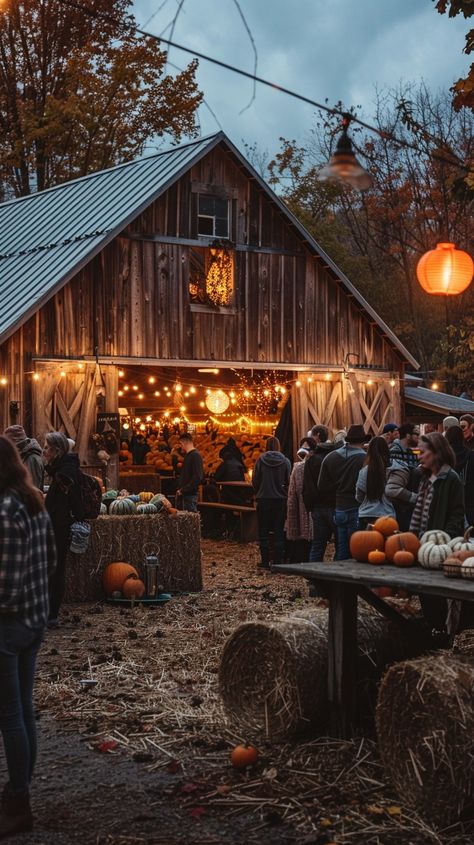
<point>182,266</point>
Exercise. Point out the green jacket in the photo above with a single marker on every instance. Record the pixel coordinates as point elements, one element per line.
<point>447,504</point>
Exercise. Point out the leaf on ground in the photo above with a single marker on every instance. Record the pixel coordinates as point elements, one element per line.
<point>197,812</point>
<point>394,811</point>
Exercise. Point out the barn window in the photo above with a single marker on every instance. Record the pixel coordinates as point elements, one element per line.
<point>211,276</point>
<point>213,216</point>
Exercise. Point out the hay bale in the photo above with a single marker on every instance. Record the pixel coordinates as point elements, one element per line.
<point>177,540</point>
<point>464,642</point>
<point>273,674</point>
<point>425,727</point>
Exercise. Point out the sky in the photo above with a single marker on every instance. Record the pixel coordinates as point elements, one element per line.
<point>335,49</point>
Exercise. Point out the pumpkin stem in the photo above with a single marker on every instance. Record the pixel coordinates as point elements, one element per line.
<point>467,534</point>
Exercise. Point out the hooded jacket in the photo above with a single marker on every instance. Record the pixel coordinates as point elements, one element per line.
<point>31,454</point>
<point>63,499</point>
<point>339,474</point>
<point>312,497</point>
<point>271,476</point>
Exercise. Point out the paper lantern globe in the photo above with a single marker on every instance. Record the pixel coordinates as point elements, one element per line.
<point>217,401</point>
<point>446,271</point>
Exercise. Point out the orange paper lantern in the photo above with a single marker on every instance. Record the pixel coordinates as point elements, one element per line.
<point>445,270</point>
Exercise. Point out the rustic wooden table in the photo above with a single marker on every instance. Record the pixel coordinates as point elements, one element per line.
<point>342,582</point>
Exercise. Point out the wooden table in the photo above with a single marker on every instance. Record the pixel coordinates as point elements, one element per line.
<point>342,582</point>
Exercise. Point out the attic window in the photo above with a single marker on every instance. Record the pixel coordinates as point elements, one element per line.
<point>211,276</point>
<point>213,216</point>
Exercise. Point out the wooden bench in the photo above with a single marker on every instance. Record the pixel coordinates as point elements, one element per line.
<point>248,531</point>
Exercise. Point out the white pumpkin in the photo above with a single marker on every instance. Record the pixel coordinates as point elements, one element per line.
<point>467,568</point>
<point>437,537</point>
<point>463,544</point>
<point>433,555</point>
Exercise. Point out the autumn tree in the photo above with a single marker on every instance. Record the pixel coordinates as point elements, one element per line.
<point>80,93</point>
<point>463,89</point>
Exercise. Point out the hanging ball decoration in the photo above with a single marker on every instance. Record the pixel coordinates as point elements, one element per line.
<point>217,401</point>
<point>446,271</point>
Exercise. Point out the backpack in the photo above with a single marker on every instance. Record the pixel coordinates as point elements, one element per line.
<point>91,496</point>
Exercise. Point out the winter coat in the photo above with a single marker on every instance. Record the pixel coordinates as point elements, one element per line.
<point>372,508</point>
<point>31,454</point>
<point>271,476</point>
<point>312,496</point>
<point>299,525</point>
<point>465,469</point>
<point>447,505</point>
<point>63,499</point>
<point>339,473</point>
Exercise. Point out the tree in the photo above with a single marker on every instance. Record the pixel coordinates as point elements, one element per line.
<point>463,89</point>
<point>79,93</point>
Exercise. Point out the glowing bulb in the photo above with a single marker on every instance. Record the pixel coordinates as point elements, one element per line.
<point>328,376</point>
<point>192,389</point>
<point>138,419</point>
<point>151,380</point>
<point>166,414</point>
<point>140,396</point>
<point>187,393</point>
<point>121,373</point>
<point>435,386</point>
<point>283,389</point>
<point>3,380</point>
<point>126,426</point>
<point>81,366</point>
<point>135,387</point>
<point>266,393</point>
<point>298,383</point>
<point>157,392</point>
<point>126,387</point>
<point>208,391</point>
<point>310,379</point>
<point>62,373</point>
<point>392,382</point>
<point>246,393</point>
<point>178,387</point>
<point>202,404</point>
<point>369,381</point>
<point>149,419</point>
<point>233,401</point>
<point>143,427</point>
<point>120,393</point>
<point>36,376</point>
<point>231,394</point>
<point>183,408</point>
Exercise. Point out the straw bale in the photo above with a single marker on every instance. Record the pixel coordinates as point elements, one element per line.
<point>464,642</point>
<point>177,540</point>
<point>425,727</point>
<point>273,674</point>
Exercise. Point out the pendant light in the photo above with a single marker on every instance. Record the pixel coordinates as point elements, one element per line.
<point>343,165</point>
<point>445,271</point>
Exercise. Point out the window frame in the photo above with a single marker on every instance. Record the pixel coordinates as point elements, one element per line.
<point>214,217</point>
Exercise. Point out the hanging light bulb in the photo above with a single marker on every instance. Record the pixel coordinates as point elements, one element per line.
<point>343,165</point>
<point>126,387</point>
<point>120,372</point>
<point>392,382</point>
<point>151,380</point>
<point>35,376</point>
<point>298,383</point>
<point>120,393</point>
<point>192,389</point>
<point>435,386</point>
<point>135,387</point>
<point>157,393</point>
<point>140,396</point>
<point>178,387</point>
<point>445,270</point>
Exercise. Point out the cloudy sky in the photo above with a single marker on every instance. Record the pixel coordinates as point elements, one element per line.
<point>339,49</point>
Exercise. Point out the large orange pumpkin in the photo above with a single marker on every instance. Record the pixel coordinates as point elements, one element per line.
<point>115,575</point>
<point>133,588</point>
<point>363,542</point>
<point>387,525</point>
<point>402,542</point>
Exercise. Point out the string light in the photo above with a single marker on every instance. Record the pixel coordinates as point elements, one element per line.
<point>140,396</point>
<point>3,381</point>
<point>435,386</point>
<point>157,393</point>
<point>120,372</point>
<point>298,383</point>
<point>142,427</point>
<point>81,366</point>
<point>135,387</point>
<point>178,387</point>
<point>392,382</point>
<point>151,380</point>
<point>62,373</point>
<point>182,408</point>
<point>149,418</point>
<point>120,393</point>
<point>369,382</point>
<point>138,419</point>
<point>328,376</point>
<point>36,376</point>
<point>202,404</point>
<point>126,426</point>
<point>192,389</point>
<point>126,387</point>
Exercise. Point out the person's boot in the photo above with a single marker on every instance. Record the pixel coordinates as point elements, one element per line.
<point>15,814</point>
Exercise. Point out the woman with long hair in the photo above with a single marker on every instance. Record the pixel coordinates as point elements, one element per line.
<point>439,505</point>
<point>27,559</point>
<point>370,487</point>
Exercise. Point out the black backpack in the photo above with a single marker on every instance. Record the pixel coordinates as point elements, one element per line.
<point>91,496</point>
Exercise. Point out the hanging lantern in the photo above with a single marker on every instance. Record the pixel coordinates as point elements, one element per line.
<point>220,277</point>
<point>445,270</point>
<point>343,165</point>
<point>217,401</point>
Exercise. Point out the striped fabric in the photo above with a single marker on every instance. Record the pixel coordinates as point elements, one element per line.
<point>419,520</point>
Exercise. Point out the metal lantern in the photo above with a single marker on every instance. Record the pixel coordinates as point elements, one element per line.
<point>153,578</point>
<point>445,271</point>
<point>217,401</point>
<point>343,166</point>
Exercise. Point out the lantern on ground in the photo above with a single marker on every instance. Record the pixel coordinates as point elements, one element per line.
<point>343,166</point>
<point>217,401</point>
<point>445,271</point>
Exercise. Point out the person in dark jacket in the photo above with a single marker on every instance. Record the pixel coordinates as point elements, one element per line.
<point>192,474</point>
<point>30,451</point>
<point>320,503</point>
<point>440,506</point>
<point>139,449</point>
<point>338,476</point>
<point>464,467</point>
<point>27,558</point>
<point>270,481</point>
<point>64,505</point>
<point>231,469</point>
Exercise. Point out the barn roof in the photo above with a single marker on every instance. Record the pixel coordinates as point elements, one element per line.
<point>47,237</point>
<point>442,403</point>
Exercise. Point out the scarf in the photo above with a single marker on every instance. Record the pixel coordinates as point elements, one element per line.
<point>421,512</point>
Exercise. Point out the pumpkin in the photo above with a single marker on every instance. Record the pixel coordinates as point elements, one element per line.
<point>134,497</point>
<point>452,567</point>
<point>363,542</point>
<point>376,556</point>
<point>243,756</point>
<point>123,494</point>
<point>433,555</point>
<point>111,494</point>
<point>463,555</point>
<point>467,568</point>
<point>172,511</point>
<point>146,507</point>
<point>115,575</point>
<point>384,592</point>
<point>133,588</point>
<point>103,507</point>
<point>145,496</point>
<point>122,507</point>
<point>160,501</point>
<point>403,542</point>
<point>387,525</point>
<point>463,544</point>
<point>403,558</point>
<point>437,537</point>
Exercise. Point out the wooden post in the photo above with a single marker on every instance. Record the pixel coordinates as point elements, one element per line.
<point>110,375</point>
<point>342,658</point>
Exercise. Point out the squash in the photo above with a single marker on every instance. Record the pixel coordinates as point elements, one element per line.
<point>462,555</point>
<point>463,544</point>
<point>134,497</point>
<point>440,538</point>
<point>122,507</point>
<point>467,568</point>
<point>363,542</point>
<point>133,588</point>
<point>145,496</point>
<point>115,575</point>
<point>376,557</point>
<point>160,502</point>
<point>433,555</point>
<point>111,494</point>
<point>452,567</point>
<point>146,507</point>
<point>387,525</point>
<point>403,558</point>
<point>243,756</point>
<point>402,542</point>
<point>103,508</point>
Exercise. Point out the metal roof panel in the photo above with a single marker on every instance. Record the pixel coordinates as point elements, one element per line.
<point>443,402</point>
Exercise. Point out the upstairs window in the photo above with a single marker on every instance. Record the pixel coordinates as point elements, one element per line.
<point>213,216</point>
<point>211,276</point>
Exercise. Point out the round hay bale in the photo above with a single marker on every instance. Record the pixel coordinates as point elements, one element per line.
<point>425,728</point>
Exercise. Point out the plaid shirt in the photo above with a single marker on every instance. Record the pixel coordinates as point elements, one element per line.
<point>404,456</point>
<point>27,559</point>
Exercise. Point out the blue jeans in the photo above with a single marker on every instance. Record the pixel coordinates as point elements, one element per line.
<point>19,648</point>
<point>189,503</point>
<point>323,529</point>
<point>347,522</point>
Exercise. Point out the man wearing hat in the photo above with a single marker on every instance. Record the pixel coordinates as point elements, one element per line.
<point>391,432</point>
<point>30,451</point>
<point>339,473</point>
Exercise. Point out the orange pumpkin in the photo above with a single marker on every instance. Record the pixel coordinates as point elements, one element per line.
<point>462,555</point>
<point>363,542</point>
<point>384,592</point>
<point>172,511</point>
<point>133,588</point>
<point>243,756</point>
<point>377,557</point>
<point>387,525</point>
<point>401,542</point>
<point>115,575</point>
<point>404,558</point>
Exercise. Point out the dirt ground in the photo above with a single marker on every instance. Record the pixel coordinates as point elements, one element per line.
<point>143,756</point>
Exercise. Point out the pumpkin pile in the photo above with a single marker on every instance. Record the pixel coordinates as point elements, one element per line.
<point>124,503</point>
<point>120,580</point>
<point>164,461</point>
<point>382,542</point>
